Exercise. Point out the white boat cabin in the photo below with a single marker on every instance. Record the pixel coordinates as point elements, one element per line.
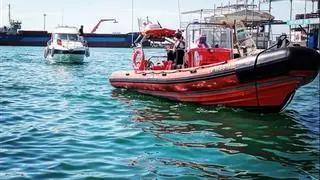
<point>67,36</point>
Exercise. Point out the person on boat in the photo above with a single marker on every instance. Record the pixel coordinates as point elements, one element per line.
<point>202,42</point>
<point>312,39</point>
<point>81,32</point>
<point>284,42</point>
<point>176,54</point>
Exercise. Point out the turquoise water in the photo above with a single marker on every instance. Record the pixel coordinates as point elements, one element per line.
<point>66,121</point>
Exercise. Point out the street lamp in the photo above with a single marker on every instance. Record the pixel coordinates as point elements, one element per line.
<point>44,21</point>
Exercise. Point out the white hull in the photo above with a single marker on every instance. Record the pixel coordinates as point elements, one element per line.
<point>66,58</point>
<point>64,55</point>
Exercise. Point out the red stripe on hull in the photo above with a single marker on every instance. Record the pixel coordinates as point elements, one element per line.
<point>226,90</point>
<point>272,95</point>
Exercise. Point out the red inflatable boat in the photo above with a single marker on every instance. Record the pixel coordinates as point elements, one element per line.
<point>264,81</point>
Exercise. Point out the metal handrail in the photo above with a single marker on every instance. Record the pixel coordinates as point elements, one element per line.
<point>255,68</point>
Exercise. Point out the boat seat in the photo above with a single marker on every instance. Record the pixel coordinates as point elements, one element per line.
<point>205,56</point>
<point>164,65</point>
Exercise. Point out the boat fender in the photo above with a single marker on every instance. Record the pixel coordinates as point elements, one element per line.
<point>87,52</point>
<point>138,65</point>
<point>52,52</point>
<point>46,52</point>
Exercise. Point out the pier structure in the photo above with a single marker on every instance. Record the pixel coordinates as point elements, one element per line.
<point>249,14</point>
<point>260,21</point>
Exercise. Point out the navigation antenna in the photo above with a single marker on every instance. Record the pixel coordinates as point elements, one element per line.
<point>9,13</point>
<point>62,14</point>
<point>1,17</point>
<point>179,14</point>
<point>132,23</point>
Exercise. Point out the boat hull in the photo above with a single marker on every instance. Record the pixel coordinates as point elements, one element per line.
<point>66,56</point>
<point>236,83</point>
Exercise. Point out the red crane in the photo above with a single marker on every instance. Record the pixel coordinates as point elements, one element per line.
<point>102,20</point>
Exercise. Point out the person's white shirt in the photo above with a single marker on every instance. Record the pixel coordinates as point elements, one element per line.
<point>193,45</point>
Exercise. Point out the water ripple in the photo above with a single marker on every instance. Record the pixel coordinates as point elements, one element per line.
<point>66,121</point>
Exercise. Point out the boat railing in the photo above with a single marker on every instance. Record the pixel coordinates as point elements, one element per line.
<point>156,57</point>
<point>281,39</point>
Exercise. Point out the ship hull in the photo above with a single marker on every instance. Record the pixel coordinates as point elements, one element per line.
<point>35,38</point>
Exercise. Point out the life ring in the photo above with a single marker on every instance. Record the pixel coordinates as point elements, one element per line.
<point>138,65</point>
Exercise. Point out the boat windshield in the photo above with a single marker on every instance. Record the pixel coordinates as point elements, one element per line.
<point>215,36</point>
<point>70,37</point>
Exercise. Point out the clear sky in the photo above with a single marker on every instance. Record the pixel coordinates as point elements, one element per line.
<point>89,12</point>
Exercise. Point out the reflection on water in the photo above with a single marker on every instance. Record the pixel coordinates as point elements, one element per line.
<point>66,73</point>
<point>223,142</point>
<point>66,121</point>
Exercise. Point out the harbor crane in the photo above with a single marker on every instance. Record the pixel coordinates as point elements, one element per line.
<point>102,20</point>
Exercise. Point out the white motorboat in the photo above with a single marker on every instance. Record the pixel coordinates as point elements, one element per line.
<point>66,46</point>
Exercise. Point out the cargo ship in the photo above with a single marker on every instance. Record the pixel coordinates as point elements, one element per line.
<point>14,36</point>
